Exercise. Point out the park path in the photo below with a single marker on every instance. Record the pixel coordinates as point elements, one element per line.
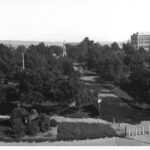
<point>115,141</point>
<point>4,117</point>
<point>133,141</point>
<point>75,120</point>
<point>95,142</point>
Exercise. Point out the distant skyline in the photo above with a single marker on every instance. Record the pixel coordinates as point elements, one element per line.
<point>73,20</point>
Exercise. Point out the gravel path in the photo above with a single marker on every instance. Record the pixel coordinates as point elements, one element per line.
<point>134,141</point>
<point>95,142</point>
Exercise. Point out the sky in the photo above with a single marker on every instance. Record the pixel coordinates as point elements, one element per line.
<point>73,20</point>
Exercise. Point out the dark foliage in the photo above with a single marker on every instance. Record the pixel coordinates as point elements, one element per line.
<point>33,128</point>
<point>49,77</point>
<point>19,113</point>
<point>17,120</point>
<point>81,131</point>
<point>18,127</point>
<point>53,123</point>
<point>44,122</point>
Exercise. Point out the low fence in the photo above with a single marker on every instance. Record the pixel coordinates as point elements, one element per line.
<point>138,131</point>
<point>127,131</point>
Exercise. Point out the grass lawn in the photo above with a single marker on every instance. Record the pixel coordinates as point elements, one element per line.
<point>115,107</point>
<point>87,111</point>
<point>81,131</point>
<point>121,94</point>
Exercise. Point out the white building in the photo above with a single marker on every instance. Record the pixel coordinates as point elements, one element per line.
<point>141,39</point>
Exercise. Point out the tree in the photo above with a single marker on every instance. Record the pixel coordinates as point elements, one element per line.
<point>65,65</point>
<point>78,52</point>
<point>65,89</point>
<point>2,94</point>
<point>115,46</point>
<point>30,88</point>
<point>75,52</point>
<point>141,49</point>
<point>93,55</point>
<point>140,85</point>
<point>110,68</point>
<point>35,60</point>
<point>129,52</point>
<point>83,97</point>
<point>2,76</point>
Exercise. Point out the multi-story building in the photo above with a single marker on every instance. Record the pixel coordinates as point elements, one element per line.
<point>141,39</point>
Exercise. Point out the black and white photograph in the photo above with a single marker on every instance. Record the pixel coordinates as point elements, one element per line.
<point>74,73</point>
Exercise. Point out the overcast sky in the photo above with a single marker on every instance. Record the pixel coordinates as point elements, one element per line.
<point>72,20</point>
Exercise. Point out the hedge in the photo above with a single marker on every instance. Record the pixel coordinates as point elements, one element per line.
<point>81,131</point>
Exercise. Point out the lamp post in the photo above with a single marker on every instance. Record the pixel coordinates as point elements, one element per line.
<point>99,102</point>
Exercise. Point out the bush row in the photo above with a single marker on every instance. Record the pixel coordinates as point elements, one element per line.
<point>81,131</point>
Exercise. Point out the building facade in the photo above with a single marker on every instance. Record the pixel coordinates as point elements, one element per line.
<point>141,39</point>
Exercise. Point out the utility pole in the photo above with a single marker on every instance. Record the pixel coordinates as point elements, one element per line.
<point>23,66</point>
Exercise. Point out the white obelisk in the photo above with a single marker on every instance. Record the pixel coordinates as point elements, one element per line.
<point>64,50</point>
<point>23,66</point>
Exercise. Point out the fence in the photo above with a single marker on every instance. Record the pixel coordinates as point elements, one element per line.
<point>128,131</point>
<point>131,131</point>
<point>138,131</point>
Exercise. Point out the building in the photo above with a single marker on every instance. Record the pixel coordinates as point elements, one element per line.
<point>141,39</point>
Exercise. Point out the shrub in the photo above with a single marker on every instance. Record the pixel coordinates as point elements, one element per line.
<point>17,121</point>
<point>80,131</point>
<point>33,128</point>
<point>44,122</point>
<point>53,123</point>
<point>19,113</point>
<point>18,128</point>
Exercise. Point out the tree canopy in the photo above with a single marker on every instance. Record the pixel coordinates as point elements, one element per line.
<point>50,77</point>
